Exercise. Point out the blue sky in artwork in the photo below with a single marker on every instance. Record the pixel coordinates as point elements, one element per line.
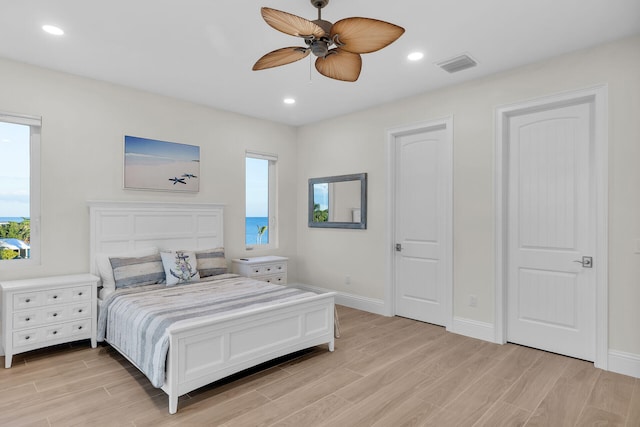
<point>161,149</point>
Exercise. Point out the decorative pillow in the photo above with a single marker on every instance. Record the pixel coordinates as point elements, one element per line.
<point>103,263</point>
<point>211,262</point>
<point>130,272</point>
<point>180,267</point>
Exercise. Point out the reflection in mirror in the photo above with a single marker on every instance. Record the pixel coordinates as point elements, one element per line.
<point>338,201</point>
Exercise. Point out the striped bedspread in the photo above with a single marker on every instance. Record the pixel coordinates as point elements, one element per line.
<point>137,320</point>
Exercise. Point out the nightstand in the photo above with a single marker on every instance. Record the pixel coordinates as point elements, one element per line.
<point>272,269</point>
<point>46,311</point>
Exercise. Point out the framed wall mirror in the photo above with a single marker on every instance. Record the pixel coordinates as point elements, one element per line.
<point>338,201</point>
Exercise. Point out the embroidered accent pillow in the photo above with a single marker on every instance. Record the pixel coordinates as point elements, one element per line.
<point>180,267</point>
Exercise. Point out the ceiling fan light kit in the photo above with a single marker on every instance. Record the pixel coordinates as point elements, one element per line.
<point>337,46</point>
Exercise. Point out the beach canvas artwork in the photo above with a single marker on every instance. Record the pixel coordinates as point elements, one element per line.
<point>159,165</point>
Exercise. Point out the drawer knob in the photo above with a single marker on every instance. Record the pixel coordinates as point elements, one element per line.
<point>55,314</point>
<point>27,337</point>
<point>279,268</point>
<point>79,327</point>
<point>55,297</point>
<point>79,293</point>
<point>55,332</point>
<point>80,311</point>
<point>256,271</point>
<point>27,319</point>
<point>27,300</point>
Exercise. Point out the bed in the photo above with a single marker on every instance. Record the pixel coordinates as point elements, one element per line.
<point>205,348</point>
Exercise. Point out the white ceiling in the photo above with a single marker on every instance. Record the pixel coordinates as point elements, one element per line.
<point>203,51</point>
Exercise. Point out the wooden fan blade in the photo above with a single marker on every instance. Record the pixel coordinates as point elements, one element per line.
<point>364,35</point>
<point>291,24</point>
<point>279,57</point>
<point>340,64</point>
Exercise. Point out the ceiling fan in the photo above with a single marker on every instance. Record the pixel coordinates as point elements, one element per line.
<point>351,37</point>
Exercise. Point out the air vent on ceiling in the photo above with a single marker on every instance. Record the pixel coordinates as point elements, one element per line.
<point>458,63</point>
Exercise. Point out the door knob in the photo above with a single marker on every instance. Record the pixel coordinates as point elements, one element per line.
<point>587,261</point>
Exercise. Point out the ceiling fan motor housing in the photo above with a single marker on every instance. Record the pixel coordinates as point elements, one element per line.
<point>319,4</point>
<point>319,48</point>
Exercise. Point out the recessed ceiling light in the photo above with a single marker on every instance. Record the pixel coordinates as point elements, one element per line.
<point>52,29</point>
<point>289,101</point>
<point>415,56</point>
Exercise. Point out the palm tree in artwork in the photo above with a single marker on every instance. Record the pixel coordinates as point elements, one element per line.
<point>261,231</point>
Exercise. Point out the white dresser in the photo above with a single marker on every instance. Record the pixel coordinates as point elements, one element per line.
<point>272,269</point>
<point>47,311</point>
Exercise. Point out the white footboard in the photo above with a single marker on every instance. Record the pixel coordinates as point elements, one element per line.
<point>203,352</point>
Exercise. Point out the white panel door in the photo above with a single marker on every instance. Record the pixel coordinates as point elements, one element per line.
<point>421,265</point>
<point>551,216</point>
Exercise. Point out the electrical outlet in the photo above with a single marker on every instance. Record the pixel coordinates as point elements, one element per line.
<point>473,301</point>
<point>347,280</point>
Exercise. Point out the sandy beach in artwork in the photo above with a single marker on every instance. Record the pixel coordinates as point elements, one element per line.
<point>146,172</point>
<point>159,165</point>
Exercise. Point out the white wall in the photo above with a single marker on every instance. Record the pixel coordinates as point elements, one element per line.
<point>357,143</point>
<point>83,124</point>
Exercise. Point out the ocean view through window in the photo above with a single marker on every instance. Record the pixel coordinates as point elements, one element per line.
<point>19,189</point>
<point>260,229</point>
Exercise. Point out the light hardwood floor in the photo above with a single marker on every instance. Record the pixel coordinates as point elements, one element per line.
<point>384,372</point>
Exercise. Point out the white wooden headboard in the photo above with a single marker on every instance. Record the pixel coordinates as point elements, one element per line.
<point>120,227</point>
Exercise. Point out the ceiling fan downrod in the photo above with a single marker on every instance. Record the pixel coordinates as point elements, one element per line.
<point>320,47</point>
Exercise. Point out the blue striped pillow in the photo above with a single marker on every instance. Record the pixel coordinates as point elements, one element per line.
<point>139,271</point>
<point>211,262</point>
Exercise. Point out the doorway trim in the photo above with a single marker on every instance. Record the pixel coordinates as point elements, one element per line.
<point>390,240</point>
<point>597,97</point>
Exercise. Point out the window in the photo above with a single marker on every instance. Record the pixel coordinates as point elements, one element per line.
<point>260,214</point>
<point>19,190</point>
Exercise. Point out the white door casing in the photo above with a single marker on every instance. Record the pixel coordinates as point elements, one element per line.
<point>421,198</point>
<point>551,188</point>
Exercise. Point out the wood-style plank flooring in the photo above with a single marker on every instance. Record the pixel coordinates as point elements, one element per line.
<point>384,372</point>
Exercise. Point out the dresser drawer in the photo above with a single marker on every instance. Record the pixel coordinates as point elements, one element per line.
<point>64,296</point>
<point>57,332</point>
<point>51,297</point>
<point>28,300</point>
<point>49,314</point>
<point>28,319</point>
<point>278,279</point>
<point>263,269</point>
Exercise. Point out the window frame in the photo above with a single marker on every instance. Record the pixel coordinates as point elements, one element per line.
<point>35,132</point>
<point>273,200</point>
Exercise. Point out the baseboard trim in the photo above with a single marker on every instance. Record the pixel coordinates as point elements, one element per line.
<point>624,363</point>
<point>473,328</point>
<point>619,361</point>
<point>358,302</point>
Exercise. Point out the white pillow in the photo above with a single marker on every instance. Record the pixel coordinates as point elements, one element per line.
<point>180,267</point>
<point>105,270</point>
